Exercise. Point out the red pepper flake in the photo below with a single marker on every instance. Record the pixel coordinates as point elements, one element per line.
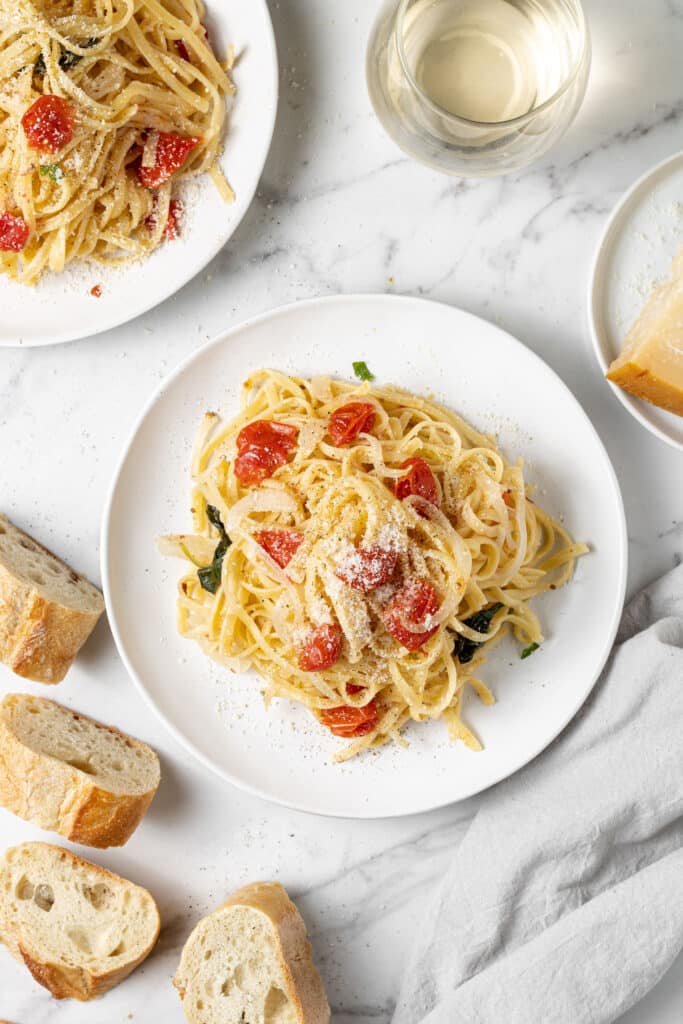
<point>182,50</point>
<point>96,291</point>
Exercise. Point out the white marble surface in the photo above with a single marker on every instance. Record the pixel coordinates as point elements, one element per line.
<point>340,210</point>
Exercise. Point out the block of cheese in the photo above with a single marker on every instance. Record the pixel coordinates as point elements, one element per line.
<point>651,364</point>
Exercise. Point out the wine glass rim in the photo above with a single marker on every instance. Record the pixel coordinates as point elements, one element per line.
<point>510,122</point>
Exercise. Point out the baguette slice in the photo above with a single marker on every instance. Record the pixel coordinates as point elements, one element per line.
<point>250,961</point>
<point>79,929</point>
<point>72,775</point>
<point>47,611</point>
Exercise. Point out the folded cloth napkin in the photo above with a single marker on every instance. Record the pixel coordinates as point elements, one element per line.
<point>564,901</point>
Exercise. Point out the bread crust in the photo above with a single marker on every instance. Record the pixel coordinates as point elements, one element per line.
<point>56,796</point>
<point>73,982</point>
<point>303,984</point>
<point>39,639</point>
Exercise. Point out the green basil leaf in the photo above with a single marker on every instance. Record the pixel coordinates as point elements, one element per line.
<point>53,171</point>
<point>210,575</point>
<point>361,371</point>
<point>528,651</point>
<point>465,649</point>
<point>67,59</point>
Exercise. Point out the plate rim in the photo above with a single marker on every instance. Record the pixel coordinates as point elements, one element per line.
<point>360,813</point>
<point>599,265</point>
<point>44,340</point>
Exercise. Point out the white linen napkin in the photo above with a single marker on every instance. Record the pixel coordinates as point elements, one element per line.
<point>564,901</point>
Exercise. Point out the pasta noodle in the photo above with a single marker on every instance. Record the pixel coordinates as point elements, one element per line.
<point>104,106</point>
<point>368,531</point>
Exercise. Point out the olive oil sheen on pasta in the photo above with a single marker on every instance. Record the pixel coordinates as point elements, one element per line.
<point>487,60</point>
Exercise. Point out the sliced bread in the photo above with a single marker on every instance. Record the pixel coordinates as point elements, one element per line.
<point>47,611</point>
<point>79,929</point>
<point>250,961</point>
<point>72,775</point>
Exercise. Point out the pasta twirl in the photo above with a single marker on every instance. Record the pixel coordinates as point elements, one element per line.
<point>362,548</point>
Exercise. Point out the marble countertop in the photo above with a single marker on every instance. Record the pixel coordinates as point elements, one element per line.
<point>340,209</point>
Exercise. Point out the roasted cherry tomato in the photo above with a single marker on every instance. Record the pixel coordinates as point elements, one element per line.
<point>408,613</point>
<point>267,434</point>
<point>14,232</point>
<point>263,446</point>
<point>368,568</point>
<point>49,123</point>
<point>171,153</point>
<point>351,420</point>
<point>350,722</point>
<point>257,464</point>
<point>321,648</point>
<point>281,545</point>
<point>419,480</point>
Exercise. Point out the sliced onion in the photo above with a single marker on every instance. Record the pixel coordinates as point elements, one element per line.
<point>198,550</point>
<point>210,420</point>
<point>287,604</point>
<point>311,433</point>
<point>321,388</point>
<point>149,153</point>
<point>267,499</point>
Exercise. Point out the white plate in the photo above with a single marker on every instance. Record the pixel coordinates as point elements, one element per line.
<point>283,754</point>
<point>61,307</point>
<point>643,235</point>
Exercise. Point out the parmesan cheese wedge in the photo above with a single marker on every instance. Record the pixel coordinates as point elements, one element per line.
<point>651,364</point>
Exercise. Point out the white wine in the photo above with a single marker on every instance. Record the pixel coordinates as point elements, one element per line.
<point>478,87</point>
<point>489,60</point>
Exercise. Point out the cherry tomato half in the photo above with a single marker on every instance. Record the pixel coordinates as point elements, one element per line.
<point>281,545</point>
<point>263,446</point>
<point>49,123</point>
<point>368,568</point>
<point>267,434</point>
<point>14,232</point>
<point>418,480</point>
<point>350,722</point>
<point>407,614</point>
<point>321,648</point>
<point>257,464</point>
<point>171,153</point>
<point>349,421</point>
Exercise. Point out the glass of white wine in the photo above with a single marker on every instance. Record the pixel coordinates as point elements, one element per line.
<point>478,88</point>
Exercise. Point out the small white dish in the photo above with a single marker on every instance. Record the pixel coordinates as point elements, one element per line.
<point>61,308</point>
<point>283,754</point>
<point>635,252</point>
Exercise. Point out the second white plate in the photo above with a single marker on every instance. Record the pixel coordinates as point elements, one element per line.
<point>283,754</point>
<point>642,237</point>
<point>61,308</point>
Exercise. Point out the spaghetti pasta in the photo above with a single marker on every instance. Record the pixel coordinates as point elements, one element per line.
<point>105,105</point>
<point>363,549</point>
